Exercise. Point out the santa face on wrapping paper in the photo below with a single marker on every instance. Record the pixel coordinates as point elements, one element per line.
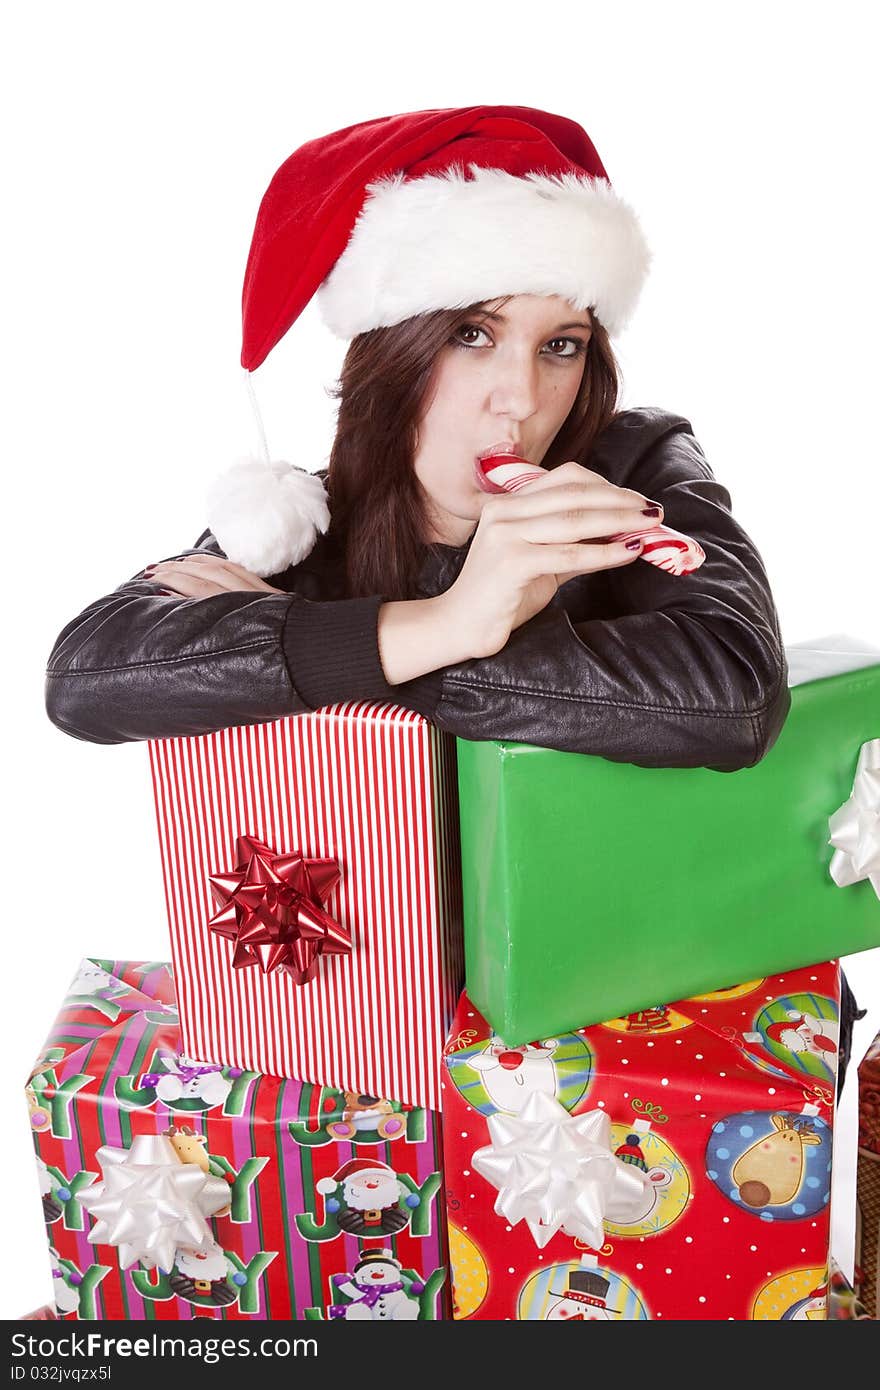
<point>510,1075</point>
<point>804,1033</point>
<point>204,1266</point>
<point>202,1275</point>
<point>372,1193</point>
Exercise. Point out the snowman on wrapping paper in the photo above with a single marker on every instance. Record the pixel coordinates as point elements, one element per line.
<point>657,1178</point>
<point>372,1194</point>
<point>376,1291</point>
<point>583,1300</point>
<point>65,1290</point>
<point>186,1078</point>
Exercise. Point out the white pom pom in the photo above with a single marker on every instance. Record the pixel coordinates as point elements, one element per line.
<point>325,1186</point>
<point>266,516</point>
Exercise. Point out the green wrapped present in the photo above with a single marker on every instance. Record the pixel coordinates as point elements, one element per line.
<point>593,889</point>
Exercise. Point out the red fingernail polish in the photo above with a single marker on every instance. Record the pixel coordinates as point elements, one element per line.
<point>650,511</point>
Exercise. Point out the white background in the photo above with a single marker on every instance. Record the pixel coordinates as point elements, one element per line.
<point>138,140</point>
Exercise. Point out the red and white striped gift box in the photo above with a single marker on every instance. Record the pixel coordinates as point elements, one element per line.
<point>374,786</point>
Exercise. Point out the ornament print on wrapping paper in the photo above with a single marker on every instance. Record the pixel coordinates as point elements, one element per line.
<point>775,1166</point>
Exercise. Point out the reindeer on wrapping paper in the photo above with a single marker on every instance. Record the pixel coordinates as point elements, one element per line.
<point>771,1171</point>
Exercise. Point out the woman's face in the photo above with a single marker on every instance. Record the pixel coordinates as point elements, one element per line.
<point>511,378</point>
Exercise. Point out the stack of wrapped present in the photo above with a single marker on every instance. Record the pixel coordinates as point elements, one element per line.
<point>254,1131</point>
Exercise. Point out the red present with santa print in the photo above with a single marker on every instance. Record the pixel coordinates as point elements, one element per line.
<point>174,1188</point>
<point>672,1164</point>
<point>313,888</point>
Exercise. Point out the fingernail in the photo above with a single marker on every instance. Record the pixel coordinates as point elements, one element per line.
<point>650,511</point>
<point>634,545</point>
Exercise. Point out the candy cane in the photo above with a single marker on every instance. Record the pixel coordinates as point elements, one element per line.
<point>669,550</point>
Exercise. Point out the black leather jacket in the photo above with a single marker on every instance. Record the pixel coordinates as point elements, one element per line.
<point>632,664</point>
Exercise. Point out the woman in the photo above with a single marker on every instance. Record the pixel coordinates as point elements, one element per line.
<point>478,260</point>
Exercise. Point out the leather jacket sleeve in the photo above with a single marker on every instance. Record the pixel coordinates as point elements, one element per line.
<point>139,664</point>
<point>685,671</point>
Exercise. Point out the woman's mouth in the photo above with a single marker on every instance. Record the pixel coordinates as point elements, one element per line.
<point>504,447</point>
<point>504,469</point>
<point>491,457</point>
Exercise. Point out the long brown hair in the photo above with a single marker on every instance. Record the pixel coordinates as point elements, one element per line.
<point>377,504</point>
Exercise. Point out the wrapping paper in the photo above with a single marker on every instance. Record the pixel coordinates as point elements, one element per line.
<point>868,1182</point>
<point>733,874</point>
<point>720,1107</point>
<point>373,787</point>
<point>333,1202</point>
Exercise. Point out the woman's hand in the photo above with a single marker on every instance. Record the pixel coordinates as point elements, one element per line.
<point>201,575</point>
<point>528,543</point>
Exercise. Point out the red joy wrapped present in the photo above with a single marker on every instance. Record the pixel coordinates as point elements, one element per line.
<point>174,1188</point>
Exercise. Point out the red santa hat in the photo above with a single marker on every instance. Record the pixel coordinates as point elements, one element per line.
<point>359,1167</point>
<point>790,1024</point>
<point>406,214</point>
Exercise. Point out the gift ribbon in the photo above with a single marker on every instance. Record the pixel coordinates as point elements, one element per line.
<point>855,826</point>
<point>557,1172</point>
<point>150,1202</point>
<point>270,907</point>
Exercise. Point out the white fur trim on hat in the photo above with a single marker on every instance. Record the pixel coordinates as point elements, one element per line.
<point>266,516</point>
<point>443,241</point>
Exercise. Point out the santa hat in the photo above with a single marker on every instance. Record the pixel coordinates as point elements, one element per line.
<point>403,215</point>
<point>355,1166</point>
<point>776,1031</point>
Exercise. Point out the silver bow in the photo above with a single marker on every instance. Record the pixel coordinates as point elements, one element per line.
<point>556,1172</point>
<point>855,826</point>
<point>150,1202</point>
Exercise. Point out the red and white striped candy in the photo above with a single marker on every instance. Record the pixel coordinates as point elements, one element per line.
<point>669,550</point>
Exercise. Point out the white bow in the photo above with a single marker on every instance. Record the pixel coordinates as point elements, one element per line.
<point>556,1172</point>
<point>855,826</point>
<point>150,1203</point>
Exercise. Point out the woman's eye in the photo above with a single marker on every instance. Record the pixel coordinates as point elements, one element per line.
<point>575,344</point>
<point>467,328</point>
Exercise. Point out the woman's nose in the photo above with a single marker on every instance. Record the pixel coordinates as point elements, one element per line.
<point>515,391</point>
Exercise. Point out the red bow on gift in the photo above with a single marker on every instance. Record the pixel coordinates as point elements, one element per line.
<point>270,907</point>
